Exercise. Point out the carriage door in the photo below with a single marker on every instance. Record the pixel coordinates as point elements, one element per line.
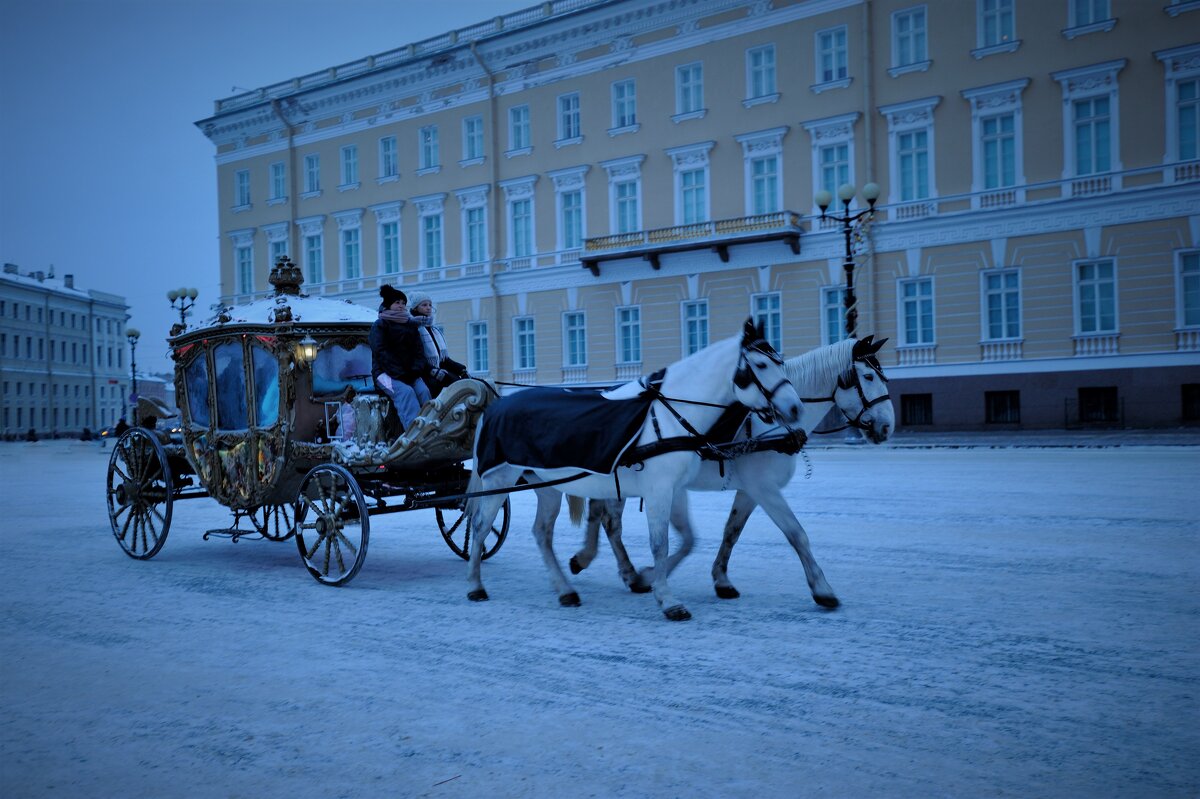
<point>198,416</point>
<point>268,433</point>
<point>234,447</point>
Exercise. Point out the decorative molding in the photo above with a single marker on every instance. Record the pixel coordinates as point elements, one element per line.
<point>1094,79</point>
<point>276,231</point>
<point>473,196</point>
<point>1104,26</point>
<point>387,212</point>
<point>818,88</point>
<point>243,237</point>
<point>690,156</point>
<point>832,129</point>
<point>348,220</point>
<point>762,142</point>
<point>311,225</point>
<point>996,97</point>
<point>996,49</point>
<point>904,69</point>
<point>628,168</point>
<point>910,114</point>
<point>429,204</point>
<point>518,188</point>
<point>570,179</point>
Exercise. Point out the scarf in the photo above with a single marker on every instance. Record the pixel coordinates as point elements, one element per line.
<point>394,316</point>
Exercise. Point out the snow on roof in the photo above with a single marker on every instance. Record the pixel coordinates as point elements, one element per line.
<point>305,310</point>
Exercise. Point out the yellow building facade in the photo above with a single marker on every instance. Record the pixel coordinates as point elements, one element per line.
<point>591,189</point>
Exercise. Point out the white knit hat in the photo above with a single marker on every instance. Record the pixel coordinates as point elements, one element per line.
<point>415,298</point>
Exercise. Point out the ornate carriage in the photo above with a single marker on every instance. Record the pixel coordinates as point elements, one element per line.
<point>281,423</point>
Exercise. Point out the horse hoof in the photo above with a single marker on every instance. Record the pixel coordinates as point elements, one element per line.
<point>478,595</point>
<point>829,601</point>
<point>677,613</point>
<point>639,584</point>
<point>575,567</point>
<point>570,600</point>
<point>727,592</point>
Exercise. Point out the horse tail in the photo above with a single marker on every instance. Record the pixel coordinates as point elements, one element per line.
<point>576,505</point>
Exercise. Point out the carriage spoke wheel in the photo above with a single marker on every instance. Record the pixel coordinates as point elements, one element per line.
<point>274,522</point>
<point>139,494</point>
<point>457,532</point>
<point>332,524</point>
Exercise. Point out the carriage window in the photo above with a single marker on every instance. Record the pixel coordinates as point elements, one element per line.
<point>196,377</point>
<point>338,368</point>
<point>229,363</point>
<point>266,386</point>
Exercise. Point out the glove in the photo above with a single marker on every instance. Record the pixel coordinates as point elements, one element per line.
<point>440,374</point>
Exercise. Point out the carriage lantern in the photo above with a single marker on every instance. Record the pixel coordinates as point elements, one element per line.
<point>306,351</point>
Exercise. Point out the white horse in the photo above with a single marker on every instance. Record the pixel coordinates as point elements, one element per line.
<point>693,394</point>
<point>846,374</point>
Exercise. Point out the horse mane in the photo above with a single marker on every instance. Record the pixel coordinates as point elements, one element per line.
<point>816,371</point>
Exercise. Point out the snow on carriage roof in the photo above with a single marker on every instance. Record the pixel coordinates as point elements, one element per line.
<point>305,310</point>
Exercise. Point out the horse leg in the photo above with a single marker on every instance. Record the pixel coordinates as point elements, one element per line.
<point>608,513</point>
<point>682,522</point>
<point>658,516</point>
<point>591,537</point>
<point>777,508</point>
<point>549,504</point>
<point>481,512</point>
<point>739,514</point>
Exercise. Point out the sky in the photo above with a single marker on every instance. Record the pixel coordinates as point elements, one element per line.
<point>103,173</point>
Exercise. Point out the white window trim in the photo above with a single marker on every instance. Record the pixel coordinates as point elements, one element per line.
<point>619,360</point>
<point>688,158</point>
<point>274,233</point>
<point>1096,26</point>
<point>984,331</point>
<point>348,185</point>
<point>513,150</point>
<point>753,99</point>
<point>1179,318</point>
<point>242,239</point>
<point>1083,83</point>
<point>310,193</point>
<point>467,158</point>
<point>907,117</point>
<point>762,144</point>
<point>1177,7</point>
<point>516,342</point>
<point>989,101</point>
<point>435,152</point>
<point>819,85</point>
<point>386,213</point>
<point>469,199</point>
<point>395,157</point>
<point>683,322</point>
<point>983,50</point>
<point>241,178</point>
<point>569,180</point>
<point>276,199</point>
<point>1180,63</point>
<point>566,349</point>
<point>826,132</point>
<point>309,227</point>
<point>349,220</point>
<point>695,113</point>
<point>900,331</point>
<point>430,205</point>
<point>896,69</point>
<point>623,170</point>
<point>635,126</point>
<point>515,190</point>
<point>562,140</point>
<point>1077,320</point>
<point>473,364</point>
<point>753,313</point>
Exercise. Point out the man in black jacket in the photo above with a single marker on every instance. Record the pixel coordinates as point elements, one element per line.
<point>398,361</point>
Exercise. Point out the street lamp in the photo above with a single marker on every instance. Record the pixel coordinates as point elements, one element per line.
<point>186,298</point>
<point>133,334</point>
<point>846,192</point>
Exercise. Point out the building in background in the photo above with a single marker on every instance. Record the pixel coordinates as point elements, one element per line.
<point>592,189</point>
<point>62,355</point>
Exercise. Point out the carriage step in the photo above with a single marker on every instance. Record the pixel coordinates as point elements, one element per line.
<point>234,534</point>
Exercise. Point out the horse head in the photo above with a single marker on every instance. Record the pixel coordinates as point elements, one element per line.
<point>759,382</point>
<point>862,394</point>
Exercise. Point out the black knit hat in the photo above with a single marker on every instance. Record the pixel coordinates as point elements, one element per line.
<point>391,294</point>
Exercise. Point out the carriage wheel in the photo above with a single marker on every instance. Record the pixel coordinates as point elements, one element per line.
<point>458,534</point>
<point>274,522</point>
<point>332,524</point>
<point>139,494</point>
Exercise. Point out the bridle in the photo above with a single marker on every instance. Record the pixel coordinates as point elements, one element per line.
<point>872,362</point>
<point>745,376</point>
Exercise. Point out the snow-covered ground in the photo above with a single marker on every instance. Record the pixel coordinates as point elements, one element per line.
<point>1016,622</point>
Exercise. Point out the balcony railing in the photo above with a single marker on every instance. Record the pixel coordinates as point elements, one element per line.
<point>916,355</point>
<point>1187,340</point>
<point>1001,350</point>
<point>1097,344</point>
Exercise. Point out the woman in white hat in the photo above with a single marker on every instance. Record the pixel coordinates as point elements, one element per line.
<point>443,370</point>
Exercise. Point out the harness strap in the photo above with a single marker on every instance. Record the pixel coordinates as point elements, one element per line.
<point>527,487</point>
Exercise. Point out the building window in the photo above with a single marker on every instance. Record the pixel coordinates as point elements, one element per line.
<point>1096,297</point>
<point>689,89</point>
<point>1002,304</point>
<point>428,156</point>
<point>1099,404</point>
<point>764,185</point>
<point>476,232</point>
<point>998,143</point>
<point>1188,289</point>
<point>521,232</point>
<point>1089,12</point>
<point>574,339</point>
<point>1002,407</point>
<point>518,128</point>
<point>832,152</point>
<point>996,22</point>
<point>760,71</point>
<point>834,166</point>
<point>916,409</point>
<point>1190,411</point>
<point>767,311</point>
<point>477,346</point>
<point>624,104</point>
<point>627,206</point>
<point>525,343</point>
<point>1187,110</point>
<point>314,258</point>
<point>351,254</point>
<point>241,183</point>
<point>568,117</point>
<point>693,195</point>
<point>1092,136</point>
<point>833,314</point>
<point>278,181</point>
<point>472,138</point>
<point>389,166</point>
<point>916,309</point>
<point>1091,125</point>
<point>908,37</point>
<point>431,239</point>
<point>350,166</point>
<point>312,173</point>
<point>695,326</point>
<point>911,142</point>
<point>389,247</point>
<point>629,335</point>
<point>571,219</point>
<point>831,55</point>
<point>912,155</point>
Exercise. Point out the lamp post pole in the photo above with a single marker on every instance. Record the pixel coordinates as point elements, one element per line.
<point>846,192</point>
<point>132,334</point>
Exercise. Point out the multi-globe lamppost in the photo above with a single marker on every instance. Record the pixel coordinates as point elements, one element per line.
<point>849,222</point>
<point>133,334</point>
<point>186,299</point>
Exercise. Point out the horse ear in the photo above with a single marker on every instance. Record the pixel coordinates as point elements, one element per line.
<point>878,345</point>
<point>861,347</point>
<point>749,333</point>
<point>761,328</point>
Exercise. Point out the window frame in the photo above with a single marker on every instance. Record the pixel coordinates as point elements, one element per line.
<point>904,118</point>
<point>472,141</point>
<point>772,317</point>
<point>241,189</point>
<point>764,73</point>
<point>348,161</point>
<point>620,122</point>
<point>1181,322</point>
<point>569,119</point>
<point>902,315</point>
<point>689,91</point>
<point>1077,297</point>
<point>1089,83</point>
<point>429,155</point>
<point>477,341</point>
<point>839,308</point>
<point>916,60</point>
<point>312,175</point>
<point>277,182</point>
<point>685,321</point>
<point>634,323</point>
<point>568,330</point>
<point>838,52</point>
<point>831,132</point>
<point>389,159</point>
<point>691,159</point>
<point>520,334</point>
<point>982,40</point>
<point>985,296</point>
<point>520,130</point>
<point>623,172</point>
